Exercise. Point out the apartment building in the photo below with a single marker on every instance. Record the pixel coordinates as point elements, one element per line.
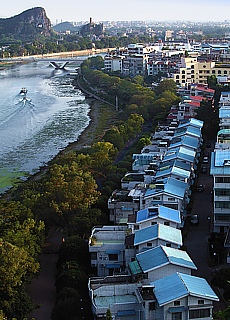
<point>192,71</point>
<point>220,167</point>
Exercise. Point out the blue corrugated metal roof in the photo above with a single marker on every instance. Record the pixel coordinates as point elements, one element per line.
<point>169,214</point>
<point>218,158</point>
<point>179,285</point>
<point>171,186</point>
<point>151,259</point>
<point>224,112</point>
<point>158,211</point>
<point>189,141</point>
<point>181,172</point>
<point>192,121</point>
<point>180,153</point>
<point>179,257</point>
<point>158,231</point>
<point>159,256</point>
<point>171,169</point>
<point>176,187</point>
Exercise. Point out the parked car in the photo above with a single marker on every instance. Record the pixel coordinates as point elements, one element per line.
<point>194,219</point>
<point>200,188</point>
<point>203,169</point>
<point>205,159</point>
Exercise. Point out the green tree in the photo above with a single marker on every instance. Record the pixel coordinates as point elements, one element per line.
<point>167,84</point>
<point>108,315</point>
<point>69,187</point>
<point>222,314</point>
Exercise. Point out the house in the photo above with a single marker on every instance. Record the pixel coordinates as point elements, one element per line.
<point>181,296</point>
<point>121,205</point>
<point>169,192</point>
<point>106,248</point>
<point>175,169</point>
<point>157,214</point>
<point>159,262</point>
<point>118,294</point>
<point>156,235</point>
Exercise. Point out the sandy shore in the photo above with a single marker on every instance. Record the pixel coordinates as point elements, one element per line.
<point>87,136</point>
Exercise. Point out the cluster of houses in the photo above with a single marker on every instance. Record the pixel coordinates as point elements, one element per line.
<point>184,62</point>
<point>143,271</point>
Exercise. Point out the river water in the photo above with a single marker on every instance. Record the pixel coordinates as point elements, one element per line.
<point>34,131</point>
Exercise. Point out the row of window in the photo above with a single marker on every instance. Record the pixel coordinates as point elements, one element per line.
<point>193,314</point>
<point>222,204</point>
<point>222,192</point>
<point>222,179</point>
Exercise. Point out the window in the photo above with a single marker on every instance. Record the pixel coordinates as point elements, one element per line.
<point>153,223</point>
<point>222,192</point>
<point>113,257</point>
<point>93,255</point>
<point>177,303</point>
<point>222,204</point>
<point>166,223</point>
<point>201,301</point>
<point>152,306</point>
<point>222,180</point>
<point>177,316</point>
<point>213,71</point>
<point>199,313</point>
<point>168,245</point>
<point>149,244</point>
<point>222,217</point>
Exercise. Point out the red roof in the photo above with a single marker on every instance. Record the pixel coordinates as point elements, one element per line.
<point>198,98</point>
<point>194,103</point>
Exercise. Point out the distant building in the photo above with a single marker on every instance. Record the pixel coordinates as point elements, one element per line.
<point>91,28</point>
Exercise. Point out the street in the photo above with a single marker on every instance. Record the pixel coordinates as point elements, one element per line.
<point>42,289</point>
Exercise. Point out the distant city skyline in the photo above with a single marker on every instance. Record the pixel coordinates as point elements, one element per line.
<point>119,10</point>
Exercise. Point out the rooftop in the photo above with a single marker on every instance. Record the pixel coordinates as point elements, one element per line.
<point>179,285</point>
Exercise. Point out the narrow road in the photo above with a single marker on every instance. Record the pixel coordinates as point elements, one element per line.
<point>197,237</point>
<point>42,289</point>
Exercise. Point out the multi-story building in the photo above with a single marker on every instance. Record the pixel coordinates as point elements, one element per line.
<point>192,71</point>
<point>106,247</point>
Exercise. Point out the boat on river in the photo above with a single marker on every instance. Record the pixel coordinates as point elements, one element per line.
<point>23,91</point>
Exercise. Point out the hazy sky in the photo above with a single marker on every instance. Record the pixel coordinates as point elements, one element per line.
<point>101,10</point>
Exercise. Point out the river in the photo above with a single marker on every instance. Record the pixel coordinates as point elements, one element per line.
<point>34,131</point>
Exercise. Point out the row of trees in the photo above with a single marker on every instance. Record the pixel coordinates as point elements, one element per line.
<point>56,43</point>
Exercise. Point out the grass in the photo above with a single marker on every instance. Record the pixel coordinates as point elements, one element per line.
<point>10,178</point>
